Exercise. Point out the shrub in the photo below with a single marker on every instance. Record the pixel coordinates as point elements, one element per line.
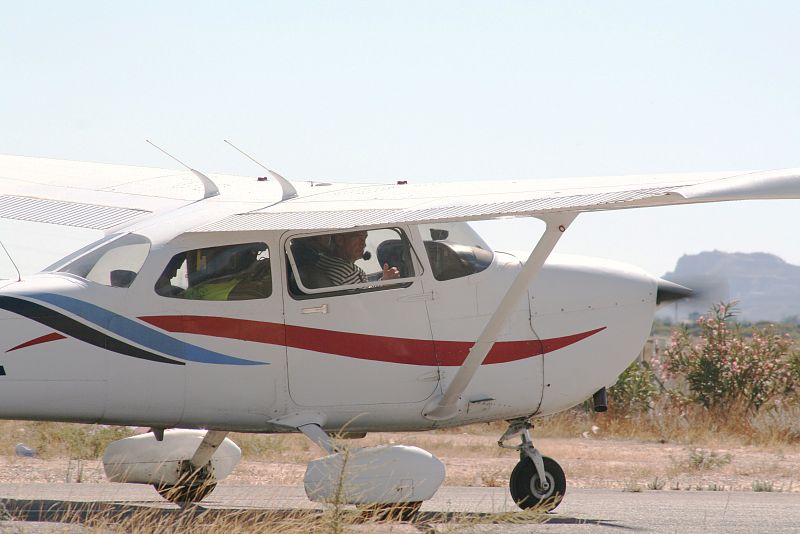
<point>703,459</point>
<point>725,368</point>
<point>635,390</point>
<point>84,442</point>
<point>777,422</point>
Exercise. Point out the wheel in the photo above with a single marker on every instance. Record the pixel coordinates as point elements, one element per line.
<point>183,495</point>
<point>526,488</point>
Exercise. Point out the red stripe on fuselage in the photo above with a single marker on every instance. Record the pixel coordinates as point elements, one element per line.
<point>258,331</point>
<point>53,336</point>
<point>362,346</point>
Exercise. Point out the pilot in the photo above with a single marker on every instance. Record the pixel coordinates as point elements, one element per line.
<point>340,268</point>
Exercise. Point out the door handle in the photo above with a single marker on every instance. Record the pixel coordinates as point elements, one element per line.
<point>422,297</point>
<point>316,309</point>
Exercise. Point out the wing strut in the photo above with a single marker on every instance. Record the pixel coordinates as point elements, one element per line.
<point>447,406</point>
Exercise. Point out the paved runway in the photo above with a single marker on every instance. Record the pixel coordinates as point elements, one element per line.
<point>42,508</point>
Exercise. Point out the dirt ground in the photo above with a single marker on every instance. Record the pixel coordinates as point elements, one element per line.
<point>476,460</point>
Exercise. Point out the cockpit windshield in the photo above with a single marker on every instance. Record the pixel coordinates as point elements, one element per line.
<point>455,250</point>
<point>114,262</point>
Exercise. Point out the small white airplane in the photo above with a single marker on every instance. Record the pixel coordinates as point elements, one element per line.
<point>222,303</point>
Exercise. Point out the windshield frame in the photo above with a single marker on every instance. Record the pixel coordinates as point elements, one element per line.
<point>75,264</point>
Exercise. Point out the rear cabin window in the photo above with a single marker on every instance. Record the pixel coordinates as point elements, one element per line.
<point>112,263</point>
<point>455,250</point>
<point>349,261</point>
<point>228,272</point>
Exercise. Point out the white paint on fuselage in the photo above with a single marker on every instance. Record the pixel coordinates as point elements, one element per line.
<point>70,380</point>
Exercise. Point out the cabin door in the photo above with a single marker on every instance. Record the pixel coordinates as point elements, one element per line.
<point>352,342</point>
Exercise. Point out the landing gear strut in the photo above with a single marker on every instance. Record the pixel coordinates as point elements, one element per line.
<point>196,476</point>
<point>537,481</point>
<point>193,486</point>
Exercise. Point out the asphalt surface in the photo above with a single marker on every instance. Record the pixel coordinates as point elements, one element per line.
<point>49,508</point>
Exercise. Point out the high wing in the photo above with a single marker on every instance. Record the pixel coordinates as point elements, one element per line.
<point>102,196</point>
<point>344,206</point>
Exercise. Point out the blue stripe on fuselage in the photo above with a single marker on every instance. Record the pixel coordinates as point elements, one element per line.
<point>139,333</point>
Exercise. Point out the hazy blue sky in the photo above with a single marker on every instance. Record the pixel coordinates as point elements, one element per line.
<point>425,91</point>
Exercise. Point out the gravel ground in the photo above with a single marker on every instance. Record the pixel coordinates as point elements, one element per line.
<point>477,461</point>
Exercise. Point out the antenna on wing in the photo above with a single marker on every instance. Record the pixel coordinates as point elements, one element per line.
<point>210,189</point>
<point>19,274</point>
<point>287,188</point>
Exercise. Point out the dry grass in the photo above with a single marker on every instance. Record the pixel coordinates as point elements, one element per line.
<point>112,519</point>
<point>333,518</point>
<point>58,440</point>
<point>596,450</point>
<point>694,452</point>
<point>772,428</point>
<point>296,523</point>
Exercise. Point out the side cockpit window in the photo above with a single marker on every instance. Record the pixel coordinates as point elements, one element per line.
<point>349,261</point>
<point>228,272</point>
<point>455,250</point>
<point>112,263</point>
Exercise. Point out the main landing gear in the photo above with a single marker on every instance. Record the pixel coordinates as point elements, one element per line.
<point>192,487</point>
<point>536,481</point>
<point>195,476</point>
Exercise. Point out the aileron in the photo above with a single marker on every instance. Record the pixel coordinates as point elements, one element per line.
<point>65,213</point>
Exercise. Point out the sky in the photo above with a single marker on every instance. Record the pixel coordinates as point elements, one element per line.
<point>422,91</point>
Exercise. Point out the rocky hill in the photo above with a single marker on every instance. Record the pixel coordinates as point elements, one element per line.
<point>767,288</point>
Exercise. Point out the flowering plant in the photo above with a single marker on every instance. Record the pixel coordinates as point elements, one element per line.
<point>724,368</point>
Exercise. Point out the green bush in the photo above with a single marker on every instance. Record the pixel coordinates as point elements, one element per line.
<point>725,368</point>
<point>635,390</point>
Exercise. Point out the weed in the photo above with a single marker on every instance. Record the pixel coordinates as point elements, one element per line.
<point>79,442</point>
<point>255,445</point>
<point>78,471</point>
<point>705,459</point>
<point>780,423</point>
<point>492,480</point>
<point>632,487</point>
<point>763,485</point>
<point>657,484</point>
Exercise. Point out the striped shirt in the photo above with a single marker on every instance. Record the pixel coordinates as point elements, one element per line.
<point>341,272</point>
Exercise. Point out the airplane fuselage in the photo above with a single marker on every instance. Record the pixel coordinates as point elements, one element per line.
<point>80,349</point>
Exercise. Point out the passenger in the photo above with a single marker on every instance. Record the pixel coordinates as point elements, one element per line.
<point>244,277</point>
<point>339,267</point>
<point>212,289</point>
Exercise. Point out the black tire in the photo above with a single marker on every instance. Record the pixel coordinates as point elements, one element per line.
<point>526,488</point>
<point>184,495</point>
